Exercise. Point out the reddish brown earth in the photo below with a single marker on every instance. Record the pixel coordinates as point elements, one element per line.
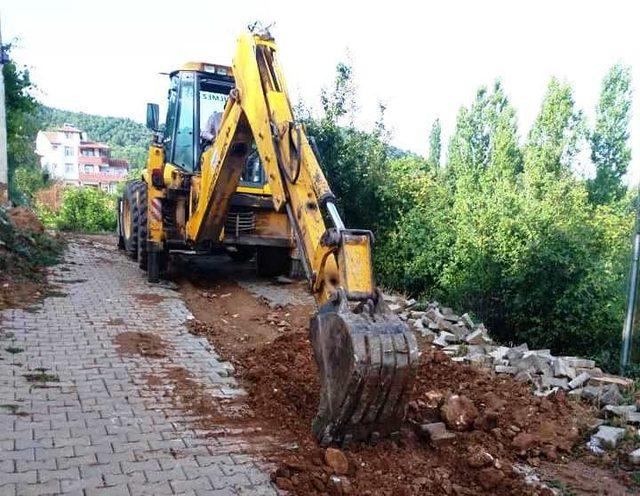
<point>273,356</point>
<point>25,219</point>
<point>144,344</point>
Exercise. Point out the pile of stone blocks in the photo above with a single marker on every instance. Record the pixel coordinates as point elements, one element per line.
<point>465,341</point>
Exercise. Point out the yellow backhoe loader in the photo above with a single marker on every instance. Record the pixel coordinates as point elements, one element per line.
<point>233,170</point>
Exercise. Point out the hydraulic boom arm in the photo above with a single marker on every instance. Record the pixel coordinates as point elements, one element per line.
<point>365,354</point>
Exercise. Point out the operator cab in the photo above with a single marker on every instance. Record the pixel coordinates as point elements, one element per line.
<point>198,93</point>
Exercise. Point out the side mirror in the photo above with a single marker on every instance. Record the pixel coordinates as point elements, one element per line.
<point>153,116</point>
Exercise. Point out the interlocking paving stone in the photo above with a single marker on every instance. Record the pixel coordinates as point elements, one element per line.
<point>95,427</point>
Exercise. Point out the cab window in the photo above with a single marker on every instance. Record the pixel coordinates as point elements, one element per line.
<point>183,148</point>
<point>171,118</point>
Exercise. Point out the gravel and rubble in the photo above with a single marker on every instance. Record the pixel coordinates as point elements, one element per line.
<point>465,341</point>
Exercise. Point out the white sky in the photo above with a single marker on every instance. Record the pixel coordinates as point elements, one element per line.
<point>422,59</point>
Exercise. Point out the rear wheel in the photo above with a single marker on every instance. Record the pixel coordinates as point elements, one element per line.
<point>272,261</point>
<point>130,215</point>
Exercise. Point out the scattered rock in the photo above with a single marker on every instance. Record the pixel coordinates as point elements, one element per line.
<point>476,337</point>
<point>433,399</point>
<point>524,441</point>
<point>490,477</point>
<point>634,457</point>
<point>608,437</point>
<point>395,307</point>
<point>436,433</point>
<point>633,418</point>
<point>337,460</point>
<point>479,458</point>
<point>622,411</point>
<point>459,412</point>
<point>611,395</point>
<point>505,369</point>
<point>579,381</point>
<point>580,362</point>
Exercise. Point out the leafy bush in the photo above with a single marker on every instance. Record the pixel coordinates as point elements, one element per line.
<point>83,209</point>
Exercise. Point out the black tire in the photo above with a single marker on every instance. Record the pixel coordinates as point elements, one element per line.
<point>130,219</point>
<point>272,261</point>
<point>241,253</point>
<point>143,209</point>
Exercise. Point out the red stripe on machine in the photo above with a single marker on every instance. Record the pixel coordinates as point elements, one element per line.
<point>156,209</point>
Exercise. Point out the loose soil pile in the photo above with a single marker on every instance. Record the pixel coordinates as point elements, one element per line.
<point>25,249</point>
<point>25,219</point>
<point>509,425</point>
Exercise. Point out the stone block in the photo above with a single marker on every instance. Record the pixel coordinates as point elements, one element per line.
<point>562,369</point>
<point>579,381</point>
<point>608,437</point>
<point>634,457</point>
<point>505,369</point>
<point>436,433</point>
<point>580,362</point>
<point>553,382</point>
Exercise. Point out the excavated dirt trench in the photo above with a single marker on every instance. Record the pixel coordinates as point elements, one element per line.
<point>271,351</point>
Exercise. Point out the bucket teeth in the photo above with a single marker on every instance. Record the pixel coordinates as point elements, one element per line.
<point>367,363</point>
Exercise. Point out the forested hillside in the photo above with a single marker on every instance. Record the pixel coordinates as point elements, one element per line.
<point>128,138</point>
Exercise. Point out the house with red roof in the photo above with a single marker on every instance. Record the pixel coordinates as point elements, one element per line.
<point>67,155</point>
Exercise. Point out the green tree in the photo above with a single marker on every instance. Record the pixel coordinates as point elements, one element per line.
<point>339,104</point>
<point>435,145</point>
<point>555,136</point>
<point>475,140</point>
<point>22,127</point>
<point>610,151</point>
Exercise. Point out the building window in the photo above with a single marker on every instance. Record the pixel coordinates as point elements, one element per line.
<point>55,147</point>
<point>68,151</point>
<point>89,168</point>
<point>68,168</point>
<point>67,135</point>
<point>104,168</point>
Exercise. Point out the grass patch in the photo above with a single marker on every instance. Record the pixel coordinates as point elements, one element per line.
<point>41,376</point>
<point>14,409</point>
<point>563,489</point>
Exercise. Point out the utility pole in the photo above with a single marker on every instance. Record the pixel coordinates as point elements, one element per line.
<point>631,319</point>
<point>4,168</point>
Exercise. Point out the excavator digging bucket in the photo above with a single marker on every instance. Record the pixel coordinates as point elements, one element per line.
<point>367,362</point>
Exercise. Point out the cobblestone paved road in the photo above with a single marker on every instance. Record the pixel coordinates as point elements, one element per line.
<point>78,416</point>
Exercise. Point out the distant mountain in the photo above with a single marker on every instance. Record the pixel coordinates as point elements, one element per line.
<point>128,139</point>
